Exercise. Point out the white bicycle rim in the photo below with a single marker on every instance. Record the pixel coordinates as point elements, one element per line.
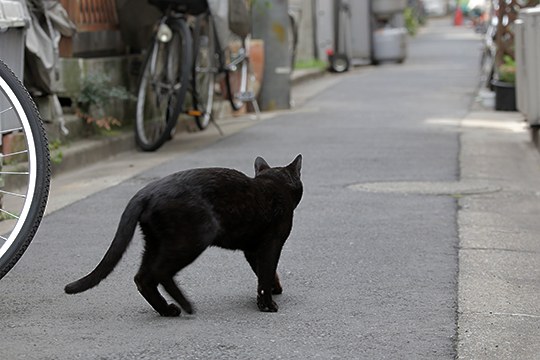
<point>32,164</point>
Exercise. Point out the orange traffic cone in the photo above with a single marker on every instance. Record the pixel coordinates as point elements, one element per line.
<point>458,17</point>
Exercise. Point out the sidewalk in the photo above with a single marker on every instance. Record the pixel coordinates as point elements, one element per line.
<point>499,252</point>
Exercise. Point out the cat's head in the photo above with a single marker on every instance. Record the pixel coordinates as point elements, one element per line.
<point>289,175</point>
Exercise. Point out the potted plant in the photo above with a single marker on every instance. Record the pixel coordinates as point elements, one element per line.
<point>505,85</point>
<point>95,98</point>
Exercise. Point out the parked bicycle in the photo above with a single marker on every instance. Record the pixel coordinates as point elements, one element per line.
<point>24,169</point>
<point>183,71</point>
<point>489,54</point>
<point>295,15</point>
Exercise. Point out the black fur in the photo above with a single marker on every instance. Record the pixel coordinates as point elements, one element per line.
<point>182,214</point>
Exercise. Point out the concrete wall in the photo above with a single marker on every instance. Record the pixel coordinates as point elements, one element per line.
<point>122,70</point>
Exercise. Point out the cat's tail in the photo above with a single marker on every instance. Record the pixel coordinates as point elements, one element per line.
<point>124,234</point>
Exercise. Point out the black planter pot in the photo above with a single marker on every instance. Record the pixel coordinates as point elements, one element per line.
<point>505,96</point>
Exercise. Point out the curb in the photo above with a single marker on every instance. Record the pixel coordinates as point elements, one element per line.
<point>497,311</point>
<point>85,152</point>
<point>301,76</point>
<point>479,106</point>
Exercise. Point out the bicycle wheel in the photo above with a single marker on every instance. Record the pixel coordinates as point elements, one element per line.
<point>162,87</point>
<point>24,169</point>
<point>204,70</point>
<point>240,81</point>
<point>487,68</point>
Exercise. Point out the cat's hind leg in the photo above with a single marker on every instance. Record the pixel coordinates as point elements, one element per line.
<point>148,287</point>
<point>167,264</point>
<point>277,289</point>
<point>170,286</point>
<point>147,284</point>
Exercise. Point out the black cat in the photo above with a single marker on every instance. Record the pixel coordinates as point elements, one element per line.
<point>182,214</point>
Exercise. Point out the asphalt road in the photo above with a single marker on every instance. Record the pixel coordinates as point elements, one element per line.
<point>366,274</point>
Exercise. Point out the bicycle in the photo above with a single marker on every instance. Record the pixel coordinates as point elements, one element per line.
<point>489,54</point>
<point>295,15</point>
<point>24,169</point>
<point>185,56</point>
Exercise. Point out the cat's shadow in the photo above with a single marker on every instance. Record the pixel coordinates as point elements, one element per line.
<point>226,309</point>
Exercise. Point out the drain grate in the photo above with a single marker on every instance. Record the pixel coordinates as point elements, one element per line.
<point>447,188</point>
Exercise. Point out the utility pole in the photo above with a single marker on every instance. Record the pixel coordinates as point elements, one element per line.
<point>270,23</point>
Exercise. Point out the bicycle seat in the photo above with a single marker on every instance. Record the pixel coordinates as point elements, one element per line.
<point>191,7</point>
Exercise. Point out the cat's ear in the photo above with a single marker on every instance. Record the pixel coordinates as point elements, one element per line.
<point>296,165</point>
<point>260,165</point>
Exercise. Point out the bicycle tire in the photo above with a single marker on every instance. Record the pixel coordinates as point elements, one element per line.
<point>487,68</point>
<point>204,70</point>
<point>240,84</point>
<point>166,68</point>
<point>26,190</point>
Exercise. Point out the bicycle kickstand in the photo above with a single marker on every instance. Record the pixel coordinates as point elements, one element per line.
<point>251,98</point>
<point>213,121</point>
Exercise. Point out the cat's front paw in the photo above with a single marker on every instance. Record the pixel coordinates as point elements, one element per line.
<point>172,311</point>
<point>266,305</point>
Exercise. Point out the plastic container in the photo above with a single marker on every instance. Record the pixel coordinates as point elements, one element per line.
<point>505,96</point>
<point>390,44</point>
